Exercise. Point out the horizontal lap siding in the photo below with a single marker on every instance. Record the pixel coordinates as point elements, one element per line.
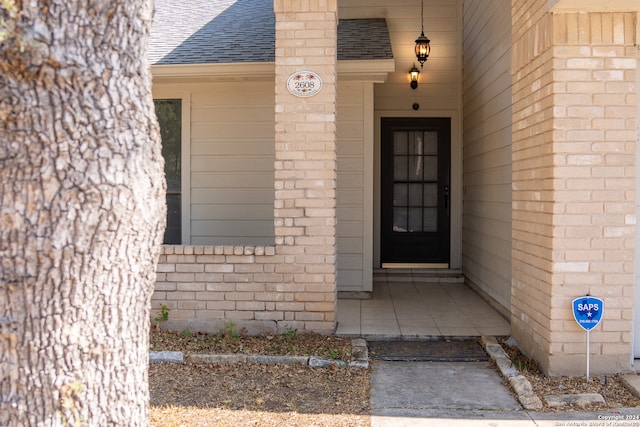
<point>232,155</point>
<point>351,169</point>
<point>439,80</point>
<point>487,147</point>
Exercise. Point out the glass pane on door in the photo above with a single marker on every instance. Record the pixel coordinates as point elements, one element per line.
<point>415,181</point>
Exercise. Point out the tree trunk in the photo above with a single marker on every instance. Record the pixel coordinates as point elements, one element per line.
<point>82,212</point>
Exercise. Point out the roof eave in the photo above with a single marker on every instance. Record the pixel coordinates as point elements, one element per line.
<point>369,70</point>
<point>372,70</point>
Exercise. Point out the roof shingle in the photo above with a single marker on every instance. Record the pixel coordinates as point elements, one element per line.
<point>227,31</point>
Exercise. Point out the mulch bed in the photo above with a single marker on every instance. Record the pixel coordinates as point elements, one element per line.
<point>615,394</point>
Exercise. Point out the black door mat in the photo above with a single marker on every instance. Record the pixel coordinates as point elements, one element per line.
<point>428,351</point>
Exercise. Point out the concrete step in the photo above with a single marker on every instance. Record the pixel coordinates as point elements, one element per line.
<point>418,275</point>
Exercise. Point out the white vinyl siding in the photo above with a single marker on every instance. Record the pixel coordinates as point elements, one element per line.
<point>486,231</point>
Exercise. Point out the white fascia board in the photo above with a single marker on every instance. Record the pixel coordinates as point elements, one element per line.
<point>372,70</point>
<point>594,5</point>
<point>228,72</point>
<point>368,70</point>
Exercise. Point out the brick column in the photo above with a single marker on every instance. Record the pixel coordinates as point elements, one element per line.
<point>574,142</point>
<point>305,164</point>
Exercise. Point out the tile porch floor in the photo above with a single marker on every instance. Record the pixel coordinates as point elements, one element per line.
<point>399,309</point>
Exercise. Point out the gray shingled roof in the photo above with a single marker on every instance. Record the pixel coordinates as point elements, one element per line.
<point>224,31</point>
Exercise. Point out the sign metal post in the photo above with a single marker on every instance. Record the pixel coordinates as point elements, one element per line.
<point>588,312</point>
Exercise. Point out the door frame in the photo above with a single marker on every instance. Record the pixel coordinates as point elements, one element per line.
<point>420,249</point>
<point>455,247</point>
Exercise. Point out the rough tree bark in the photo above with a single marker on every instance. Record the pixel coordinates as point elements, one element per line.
<point>82,211</point>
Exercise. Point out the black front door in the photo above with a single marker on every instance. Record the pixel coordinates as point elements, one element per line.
<point>416,191</point>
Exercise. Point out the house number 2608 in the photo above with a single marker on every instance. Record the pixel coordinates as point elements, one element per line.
<point>304,83</point>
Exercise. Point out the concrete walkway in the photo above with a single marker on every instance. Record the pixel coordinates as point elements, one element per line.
<point>464,394</point>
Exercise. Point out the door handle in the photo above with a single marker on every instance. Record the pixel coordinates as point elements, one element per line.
<point>446,197</point>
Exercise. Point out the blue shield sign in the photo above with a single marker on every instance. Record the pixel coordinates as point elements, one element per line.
<point>588,312</point>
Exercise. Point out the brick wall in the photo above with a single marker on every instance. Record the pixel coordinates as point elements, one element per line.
<point>206,287</point>
<point>574,138</point>
<point>293,283</point>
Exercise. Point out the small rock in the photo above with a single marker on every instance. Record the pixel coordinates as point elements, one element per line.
<point>511,342</point>
<point>165,357</point>
<point>359,364</point>
<point>582,400</point>
<point>527,398</point>
<point>531,402</point>
<point>278,360</point>
<point>322,362</point>
<point>218,358</point>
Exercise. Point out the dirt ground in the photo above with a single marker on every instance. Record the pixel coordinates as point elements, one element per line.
<point>256,395</point>
<point>261,395</point>
<point>294,395</point>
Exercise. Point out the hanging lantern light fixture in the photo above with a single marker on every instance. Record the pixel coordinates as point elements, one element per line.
<point>422,43</point>
<point>413,74</point>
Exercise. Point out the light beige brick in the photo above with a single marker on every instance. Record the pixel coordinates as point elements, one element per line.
<point>180,277</point>
<point>210,296</point>
<point>290,306</point>
<point>181,296</point>
<point>238,296</point>
<point>308,316</point>
<point>210,258</point>
<point>220,287</point>
<point>221,305</point>
<point>209,314</point>
<point>218,268</point>
<point>164,267</point>
<point>189,268</point>
<point>250,306</point>
<point>158,295</point>
<point>319,306</point>
<point>250,287</point>
<point>187,286</point>
<point>237,278</point>
<point>180,259</point>
<point>239,315</point>
<point>209,277</point>
<point>248,268</point>
<point>269,315</point>
<point>165,286</point>
<point>192,305</point>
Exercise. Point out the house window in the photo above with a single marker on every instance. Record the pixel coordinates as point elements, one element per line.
<point>169,112</point>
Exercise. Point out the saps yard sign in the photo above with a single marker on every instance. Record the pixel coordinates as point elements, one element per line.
<point>588,311</point>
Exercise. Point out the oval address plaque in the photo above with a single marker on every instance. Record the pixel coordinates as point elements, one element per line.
<point>304,83</point>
